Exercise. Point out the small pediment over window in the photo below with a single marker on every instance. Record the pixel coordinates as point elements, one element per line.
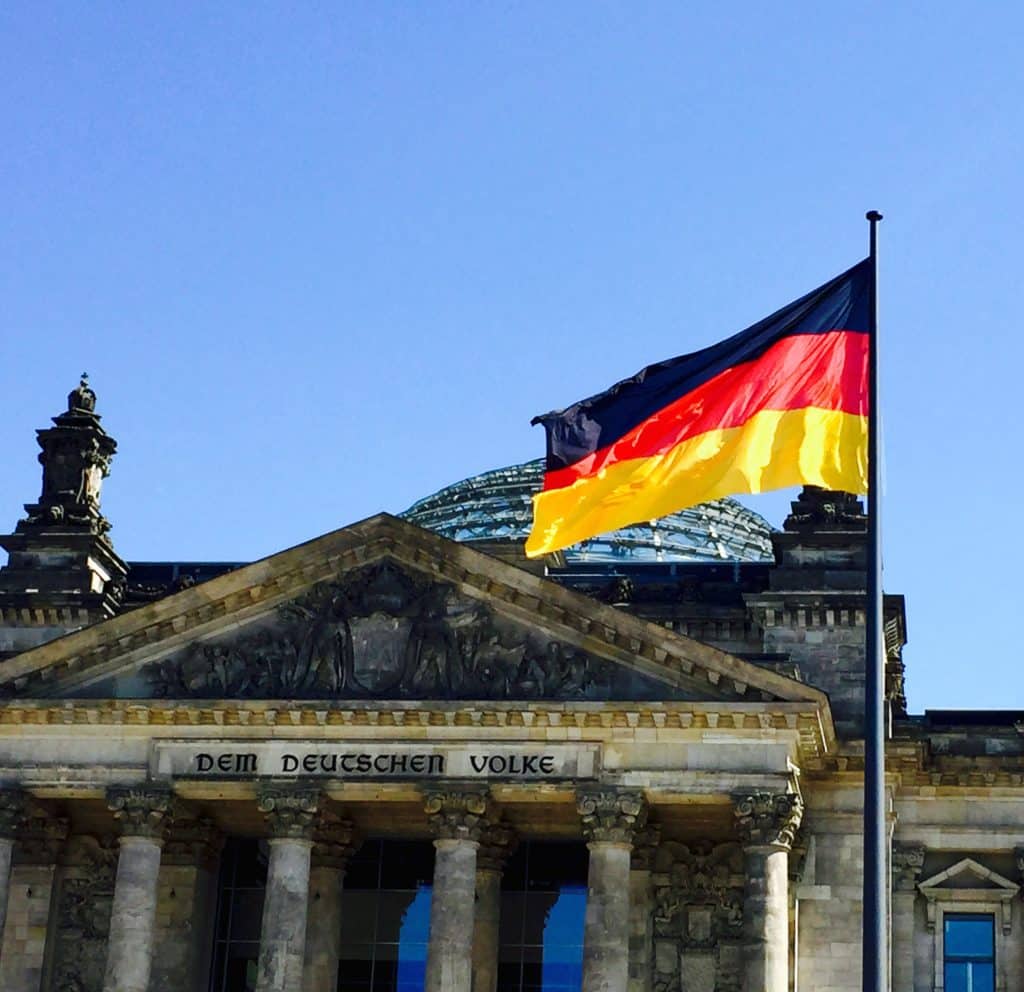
<point>969,886</point>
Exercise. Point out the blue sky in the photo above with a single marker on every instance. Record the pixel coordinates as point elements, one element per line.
<point>322,259</point>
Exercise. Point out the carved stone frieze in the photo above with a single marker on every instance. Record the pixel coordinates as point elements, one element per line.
<point>289,812</point>
<point>378,633</point>
<point>141,812</point>
<point>498,842</point>
<point>13,808</point>
<point>698,914</point>
<point>767,819</point>
<point>335,840</point>
<point>907,862</point>
<point>457,814</point>
<point>611,815</point>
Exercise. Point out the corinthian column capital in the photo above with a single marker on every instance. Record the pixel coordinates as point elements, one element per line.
<point>457,814</point>
<point>767,819</point>
<point>141,811</point>
<point>611,815</point>
<point>907,862</point>
<point>290,813</point>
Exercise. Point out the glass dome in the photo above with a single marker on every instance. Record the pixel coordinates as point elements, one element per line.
<point>496,506</point>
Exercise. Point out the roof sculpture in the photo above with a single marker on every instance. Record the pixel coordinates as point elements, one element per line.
<point>497,506</point>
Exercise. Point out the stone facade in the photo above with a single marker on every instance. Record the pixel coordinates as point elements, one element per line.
<point>695,732</point>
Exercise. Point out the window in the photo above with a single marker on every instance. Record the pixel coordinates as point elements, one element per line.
<point>385,917</point>
<point>543,901</point>
<point>243,879</point>
<point>968,941</point>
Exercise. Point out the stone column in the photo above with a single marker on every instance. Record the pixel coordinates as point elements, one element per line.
<point>457,819</point>
<point>12,813</point>
<point>767,823</point>
<point>497,842</point>
<point>142,815</point>
<point>610,819</point>
<point>641,908</point>
<point>290,815</point>
<point>334,842</point>
<point>907,862</point>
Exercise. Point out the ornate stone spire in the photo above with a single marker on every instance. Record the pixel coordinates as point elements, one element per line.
<point>62,568</point>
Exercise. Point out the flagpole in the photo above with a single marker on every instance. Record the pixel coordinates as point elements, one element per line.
<point>875,965</point>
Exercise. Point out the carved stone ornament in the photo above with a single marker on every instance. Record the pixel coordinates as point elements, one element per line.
<point>383,633</point>
<point>12,812</point>
<point>698,913</point>
<point>289,812</point>
<point>193,842</point>
<point>457,814</point>
<point>907,862</point>
<point>86,895</point>
<point>140,812</point>
<point>498,842</point>
<point>611,815</point>
<point>645,848</point>
<point>767,819</point>
<point>335,840</point>
<point>818,509</point>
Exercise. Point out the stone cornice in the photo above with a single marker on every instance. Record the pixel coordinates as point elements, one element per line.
<point>597,720</point>
<point>250,591</point>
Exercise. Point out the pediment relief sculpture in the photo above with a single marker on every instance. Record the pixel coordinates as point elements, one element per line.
<point>384,633</point>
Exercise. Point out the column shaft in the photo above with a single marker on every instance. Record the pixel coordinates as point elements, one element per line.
<point>485,930</point>
<point>283,931</point>
<point>766,921</point>
<point>133,915</point>
<point>323,933</point>
<point>606,924</point>
<point>450,953</point>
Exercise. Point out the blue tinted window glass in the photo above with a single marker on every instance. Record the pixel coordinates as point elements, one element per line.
<point>956,977</point>
<point>983,978</point>
<point>968,936</point>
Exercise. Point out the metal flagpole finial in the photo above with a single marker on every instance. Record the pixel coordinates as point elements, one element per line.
<point>874,216</point>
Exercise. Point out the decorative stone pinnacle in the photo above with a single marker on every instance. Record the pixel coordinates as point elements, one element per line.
<point>497,843</point>
<point>335,840</point>
<point>645,847</point>
<point>767,819</point>
<point>611,815</point>
<point>290,813</point>
<point>457,814</point>
<point>12,812</point>
<point>141,811</point>
<point>907,862</point>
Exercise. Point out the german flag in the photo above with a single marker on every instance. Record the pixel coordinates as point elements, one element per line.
<point>783,403</point>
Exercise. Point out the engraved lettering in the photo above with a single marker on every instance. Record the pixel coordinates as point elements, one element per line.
<point>547,764</point>
<point>478,762</point>
<point>289,763</point>
<point>204,762</point>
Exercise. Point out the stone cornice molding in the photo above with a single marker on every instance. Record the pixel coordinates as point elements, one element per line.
<point>141,812</point>
<point>498,841</point>
<point>611,816</point>
<point>290,812</point>
<point>768,820</point>
<point>250,591</point>
<point>13,810</point>
<point>457,814</point>
<point>335,840</point>
<point>907,862</point>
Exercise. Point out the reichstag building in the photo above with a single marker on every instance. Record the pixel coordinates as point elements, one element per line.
<point>401,757</point>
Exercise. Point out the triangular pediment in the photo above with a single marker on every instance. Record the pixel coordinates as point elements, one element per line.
<point>967,874</point>
<point>385,610</point>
